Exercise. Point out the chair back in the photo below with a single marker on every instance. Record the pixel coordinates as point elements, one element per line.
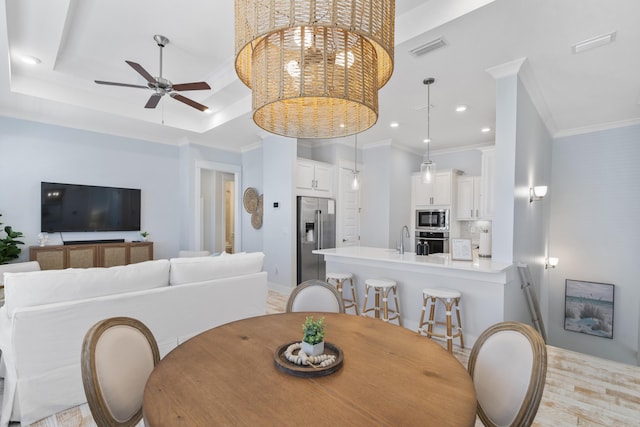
<point>315,295</point>
<point>118,355</point>
<point>508,365</point>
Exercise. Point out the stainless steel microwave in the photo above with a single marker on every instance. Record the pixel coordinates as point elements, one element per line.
<point>432,219</point>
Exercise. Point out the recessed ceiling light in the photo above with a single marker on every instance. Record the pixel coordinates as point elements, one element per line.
<point>485,129</point>
<point>426,140</point>
<point>394,124</point>
<point>31,60</point>
<point>461,108</point>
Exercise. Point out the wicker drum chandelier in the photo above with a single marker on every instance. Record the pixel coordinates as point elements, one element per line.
<point>314,66</point>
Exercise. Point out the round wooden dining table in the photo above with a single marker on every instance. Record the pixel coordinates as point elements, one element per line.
<point>390,376</point>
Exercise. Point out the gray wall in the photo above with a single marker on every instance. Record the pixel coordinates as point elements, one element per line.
<point>595,205</point>
<point>33,152</point>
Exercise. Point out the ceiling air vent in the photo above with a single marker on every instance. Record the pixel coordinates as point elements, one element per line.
<point>594,42</point>
<point>428,47</point>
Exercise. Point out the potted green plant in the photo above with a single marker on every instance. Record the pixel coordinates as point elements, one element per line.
<point>9,249</point>
<point>144,235</point>
<point>313,338</point>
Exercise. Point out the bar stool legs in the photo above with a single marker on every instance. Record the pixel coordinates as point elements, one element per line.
<point>339,280</point>
<point>381,289</point>
<point>450,299</point>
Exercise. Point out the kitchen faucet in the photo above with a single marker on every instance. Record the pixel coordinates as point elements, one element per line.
<point>405,230</point>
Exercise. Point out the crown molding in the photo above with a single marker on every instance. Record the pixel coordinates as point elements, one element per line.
<point>595,128</point>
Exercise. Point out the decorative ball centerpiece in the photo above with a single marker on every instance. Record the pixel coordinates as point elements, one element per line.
<point>311,356</point>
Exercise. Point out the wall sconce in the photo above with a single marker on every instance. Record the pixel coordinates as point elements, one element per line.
<point>551,262</point>
<point>537,193</point>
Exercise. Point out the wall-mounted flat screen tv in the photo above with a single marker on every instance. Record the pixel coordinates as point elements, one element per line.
<point>71,207</point>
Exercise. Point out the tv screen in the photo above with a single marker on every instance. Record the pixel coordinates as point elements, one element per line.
<point>70,207</point>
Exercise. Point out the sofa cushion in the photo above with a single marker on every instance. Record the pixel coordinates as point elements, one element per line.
<point>200,269</point>
<point>18,267</point>
<point>50,286</point>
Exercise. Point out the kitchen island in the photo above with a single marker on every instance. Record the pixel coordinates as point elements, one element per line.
<point>491,291</point>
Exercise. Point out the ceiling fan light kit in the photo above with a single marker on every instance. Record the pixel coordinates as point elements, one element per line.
<point>314,67</point>
<point>160,85</point>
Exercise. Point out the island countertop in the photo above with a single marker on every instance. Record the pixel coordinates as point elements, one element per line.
<point>478,264</point>
<point>490,290</point>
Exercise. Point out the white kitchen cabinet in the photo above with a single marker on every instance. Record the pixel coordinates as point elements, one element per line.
<point>314,178</point>
<point>436,193</point>
<point>468,198</point>
<point>487,183</point>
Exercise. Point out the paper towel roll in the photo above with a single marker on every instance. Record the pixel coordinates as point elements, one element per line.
<point>485,245</point>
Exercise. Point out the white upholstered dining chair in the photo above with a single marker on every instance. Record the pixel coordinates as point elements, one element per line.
<point>118,355</point>
<point>315,295</point>
<point>508,365</point>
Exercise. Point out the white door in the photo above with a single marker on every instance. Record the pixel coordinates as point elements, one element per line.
<point>348,219</point>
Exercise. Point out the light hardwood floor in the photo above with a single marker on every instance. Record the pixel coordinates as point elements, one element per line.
<point>580,390</point>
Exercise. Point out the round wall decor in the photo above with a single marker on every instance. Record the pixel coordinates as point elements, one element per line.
<point>250,200</point>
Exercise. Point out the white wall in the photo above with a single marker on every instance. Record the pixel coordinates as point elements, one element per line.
<point>33,152</point>
<point>403,164</point>
<point>468,161</point>
<point>523,159</point>
<point>504,185</point>
<point>279,231</point>
<point>386,194</point>
<point>252,176</point>
<point>595,205</point>
<point>531,220</point>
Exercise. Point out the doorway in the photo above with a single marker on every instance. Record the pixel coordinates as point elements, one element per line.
<point>216,211</point>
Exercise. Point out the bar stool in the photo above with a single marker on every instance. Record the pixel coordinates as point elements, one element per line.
<point>382,287</point>
<point>450,298</point>
<point>339,280</point>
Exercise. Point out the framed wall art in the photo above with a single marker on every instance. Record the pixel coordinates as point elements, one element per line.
<point>461,250</point>
<point>588,308</point>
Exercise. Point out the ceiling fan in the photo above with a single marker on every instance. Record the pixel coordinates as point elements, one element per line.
<point>160,85</point>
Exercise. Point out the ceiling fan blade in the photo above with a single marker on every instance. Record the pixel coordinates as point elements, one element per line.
<point>191,86</point>
<point>148,77</point>
<point>153,101</point>
<point>189,102</point>
<point>100,82</point>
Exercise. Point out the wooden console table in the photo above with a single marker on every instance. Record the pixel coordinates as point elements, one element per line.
<point>57,257</point>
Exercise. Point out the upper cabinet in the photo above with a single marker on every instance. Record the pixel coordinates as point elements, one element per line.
<point>437,193</point>
<point>487,183</point>
<point>475,193</point>
<point>468,198</point>
<point>314,178</point>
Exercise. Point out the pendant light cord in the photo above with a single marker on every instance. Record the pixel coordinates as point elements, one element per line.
<point>355,157</point>
<point>428,82</point>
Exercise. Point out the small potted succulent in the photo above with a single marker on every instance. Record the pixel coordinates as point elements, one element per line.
<point>144,235</point>
<point>313,338</point>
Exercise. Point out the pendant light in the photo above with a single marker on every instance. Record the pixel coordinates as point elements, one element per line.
<point>314,67</point>
<point>355,184</point>
<point>428,168</point>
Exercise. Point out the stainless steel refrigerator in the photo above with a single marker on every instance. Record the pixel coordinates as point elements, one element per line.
<point>316,230</point>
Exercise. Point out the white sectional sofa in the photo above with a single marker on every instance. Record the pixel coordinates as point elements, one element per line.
<point>47,313</point>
